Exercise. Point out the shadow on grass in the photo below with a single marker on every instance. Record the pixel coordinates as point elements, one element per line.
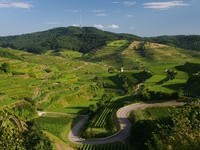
<point>189,68</point>
<point>80,109</point>
<point>142,131</point>
<point>162,81</point>
<point>175,87</point>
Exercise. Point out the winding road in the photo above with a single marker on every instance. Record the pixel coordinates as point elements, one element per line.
<point>125,125</point>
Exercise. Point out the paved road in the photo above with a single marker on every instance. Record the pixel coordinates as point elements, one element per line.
<point>125,125</point>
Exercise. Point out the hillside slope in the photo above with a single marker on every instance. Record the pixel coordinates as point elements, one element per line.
<point>73,38</point>
<point>191,42</point>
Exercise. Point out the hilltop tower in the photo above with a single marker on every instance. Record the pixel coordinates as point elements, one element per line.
<point>80,20</point>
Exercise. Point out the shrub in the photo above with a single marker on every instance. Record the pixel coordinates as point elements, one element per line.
<point>5,67</point>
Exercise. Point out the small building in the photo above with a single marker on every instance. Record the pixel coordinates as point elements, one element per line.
<point>122,69</point>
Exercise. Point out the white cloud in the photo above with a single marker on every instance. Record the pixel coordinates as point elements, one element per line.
<point>101,15</point>
<point>22,5</point>
<point>52,23</point>
<point>115,2</point>
<point>74,11</point>
<point>113,26</point>
<point>129,16</point>
<point>98,11</point>
<point>132,27</point>
<point>129,3</point>
<point>164,5</point>
<point>125,3</point>
<point>99,26</point>
<point>75,25</point>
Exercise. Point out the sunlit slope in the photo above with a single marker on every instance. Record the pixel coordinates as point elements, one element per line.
<point>51,82</point>
<point>157,58</point>
<point>147,52</point>
<point>85,39</point>
<point>111,54</point>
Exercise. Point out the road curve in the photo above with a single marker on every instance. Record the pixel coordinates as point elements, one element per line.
<point>125,125</point>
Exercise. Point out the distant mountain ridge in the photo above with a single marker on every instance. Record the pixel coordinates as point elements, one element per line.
<point>86,39</point>
<point>83,39</point>
<point>191,42</point>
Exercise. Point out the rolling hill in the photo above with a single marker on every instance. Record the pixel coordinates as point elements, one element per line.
<point>77,72</point>
<point>191,42</point>
<point>83,39</point>
<point>86,39</point>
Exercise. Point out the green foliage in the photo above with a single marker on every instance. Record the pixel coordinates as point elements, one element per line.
<point>92,108</point>
<point>24,110</point>
<point>15,134</point>
<point>103,121</point>
<point>7,54</point>
<point>56,125</point>
<point>112,70</point>
<point>34,139</point>
<point>189,68</point>
<point>63,80</point>
<point>11,129</point>
<point>142,75</point>
<point>163,96</point>
<point>185,132</point>
<point>141,49</point>
<point>191,42</point>
<point>192,86</point>
<point>5,67</point>
<point>111,146</point>
<point>144,123</point>
<point>110,54</point>
<point>84,39</point>
<point>170,74</point>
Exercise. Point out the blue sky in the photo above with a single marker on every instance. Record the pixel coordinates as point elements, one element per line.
<point>139,17</point>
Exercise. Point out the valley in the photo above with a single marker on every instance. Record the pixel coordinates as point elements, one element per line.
<point>73,82</point>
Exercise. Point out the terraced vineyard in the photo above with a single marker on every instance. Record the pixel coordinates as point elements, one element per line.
<point>145,122</point>
<point>100,121</point>
<point>113,146</point>
<point>66,81</point>
<point>57,125</point>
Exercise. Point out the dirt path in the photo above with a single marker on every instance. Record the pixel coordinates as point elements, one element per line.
<point>125,125</point>
<point>55,114</point>
<point>36,93</point>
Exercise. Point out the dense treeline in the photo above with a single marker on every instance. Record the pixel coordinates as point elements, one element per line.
<point>86,39</point>
<point>83,39</point>
<point>192,86</point>
<point>191,42</point>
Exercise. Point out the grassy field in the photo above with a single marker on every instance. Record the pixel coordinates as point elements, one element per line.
<point>58,126</point>
<point>52,82</point>
<point>152,113</point>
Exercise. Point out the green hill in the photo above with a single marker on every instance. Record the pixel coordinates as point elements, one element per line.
<point>191,42</point>
<point>83,39</point>
<point>80,81</point>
